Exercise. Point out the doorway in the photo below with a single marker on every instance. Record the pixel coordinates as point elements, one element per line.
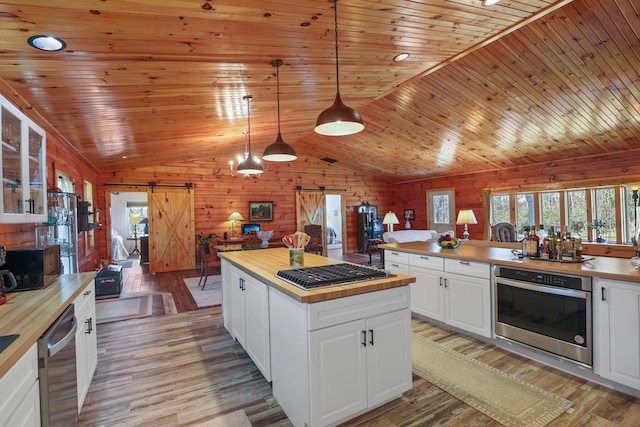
<point>333,214</point>
<point>440,208</point>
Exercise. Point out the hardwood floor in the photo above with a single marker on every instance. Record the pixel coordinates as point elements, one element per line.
<point>185,369</point>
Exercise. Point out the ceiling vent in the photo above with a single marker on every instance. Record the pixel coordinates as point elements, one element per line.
<point>328,160</point>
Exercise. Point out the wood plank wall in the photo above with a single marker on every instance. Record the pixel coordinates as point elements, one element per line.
<point>61,156</point>
<point>612,169</point>
<point>217,193</point>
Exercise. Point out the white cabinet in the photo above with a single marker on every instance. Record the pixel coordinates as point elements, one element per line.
<point>617,331</point>
<point>20,393</point>
<point>23,164</point>
<point>86,340</point>
<point>335,359</point>
<point>249,323</point>
<point>456,292</point>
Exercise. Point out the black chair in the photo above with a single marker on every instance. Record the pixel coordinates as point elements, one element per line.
<point>315,244</point>
<point>204,265</point>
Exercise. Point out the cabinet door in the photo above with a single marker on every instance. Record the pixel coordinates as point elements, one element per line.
<point>36,168</point>
<point>23,164</point>
<point>27,413</point>
<point>225,270</point>
<point>388,356</point>
<point>238,305</point>
<point>86,341</point>
<point>468,303</point>
<point>428,293</point>
<point>256,298</point>
<point>337,372</point>
<point>618,331</point>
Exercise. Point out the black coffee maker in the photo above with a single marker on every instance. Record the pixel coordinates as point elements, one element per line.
<point>7,280</point>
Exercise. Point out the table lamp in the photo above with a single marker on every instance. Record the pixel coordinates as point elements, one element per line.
<point>235,217</point>
<point>390,218</point>
<point>466,217</point>
<point>135,219</point>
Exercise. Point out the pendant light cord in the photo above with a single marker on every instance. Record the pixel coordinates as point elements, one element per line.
<point>248,98</point>
<point>335,14</point>
<point>278,94</point>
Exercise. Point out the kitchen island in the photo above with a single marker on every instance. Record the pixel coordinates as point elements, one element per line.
<point>331,353</point>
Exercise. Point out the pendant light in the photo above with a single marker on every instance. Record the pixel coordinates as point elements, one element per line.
<point>338,120</point>
<point>250,165</point>
<point>279,151</point>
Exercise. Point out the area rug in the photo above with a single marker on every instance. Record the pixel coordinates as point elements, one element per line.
<point>113,310</point>
<point>505,398</point>
<point>212,293</point>
<point>134,306</point>
<point>233,419</point>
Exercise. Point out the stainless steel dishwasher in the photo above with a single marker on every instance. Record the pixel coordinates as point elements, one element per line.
<point>57,372</point>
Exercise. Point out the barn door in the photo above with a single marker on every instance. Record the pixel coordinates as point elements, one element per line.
<point>171,226</point>
<point>310,207</point>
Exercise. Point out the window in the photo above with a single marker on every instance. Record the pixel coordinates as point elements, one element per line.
<point>604,209</point>
<point>65,183</point>
<point>577,212</point>
<point>550,211</point>
<point>524,211</point>
<point>573,209</point>
<point>137,215</point>
<point>500,208</point>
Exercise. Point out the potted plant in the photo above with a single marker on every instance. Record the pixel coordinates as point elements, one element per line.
<point>205,239</point>
<point>598,225</point>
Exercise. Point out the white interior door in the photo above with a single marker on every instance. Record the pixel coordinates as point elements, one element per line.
<point>441,212</point>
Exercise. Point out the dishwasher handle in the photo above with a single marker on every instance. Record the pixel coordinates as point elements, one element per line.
<point>54,348</point>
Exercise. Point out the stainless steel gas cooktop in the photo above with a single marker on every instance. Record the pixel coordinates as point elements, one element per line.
<point>329,275</point>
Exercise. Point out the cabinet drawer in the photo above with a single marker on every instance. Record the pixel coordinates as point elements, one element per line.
<point>342,310</point>
<point>468,268</point>
<point>426,261</point>
<point>396,256</point>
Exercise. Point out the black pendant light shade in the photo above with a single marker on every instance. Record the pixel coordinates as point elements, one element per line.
<point>338,120</point>
<point>279,151</point>
<point>249,166</point>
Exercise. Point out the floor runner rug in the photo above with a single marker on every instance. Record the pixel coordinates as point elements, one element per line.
<point>212,293</point>
<point>233,419</point>
<point>134,306</point>
<point>503,397</point>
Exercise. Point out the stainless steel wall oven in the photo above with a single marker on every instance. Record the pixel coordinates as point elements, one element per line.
<point>551,312</point>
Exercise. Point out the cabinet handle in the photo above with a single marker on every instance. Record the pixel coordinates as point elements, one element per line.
<point>395,253</point>
<point>87,293</point>
<point>89,323</point>
<point>445,283</point>
<point>371,334</point>
<point>395,265</point>
<point>364,338</point>
<point>465,263</point>
<point>603,297</point>
<point>441,282</point>
<point>424,257</point>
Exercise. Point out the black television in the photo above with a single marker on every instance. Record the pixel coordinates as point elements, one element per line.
<point>246,228</point>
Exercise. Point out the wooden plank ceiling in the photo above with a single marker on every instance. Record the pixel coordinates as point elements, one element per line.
<point>485,88</point>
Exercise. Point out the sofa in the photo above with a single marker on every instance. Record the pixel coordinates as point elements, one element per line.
<point>403,236</point>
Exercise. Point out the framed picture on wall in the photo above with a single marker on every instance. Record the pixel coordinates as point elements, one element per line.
<point>409,214</point>
<point>260,211</point>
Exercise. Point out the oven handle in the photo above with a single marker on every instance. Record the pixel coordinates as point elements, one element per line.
<point>542,288</point>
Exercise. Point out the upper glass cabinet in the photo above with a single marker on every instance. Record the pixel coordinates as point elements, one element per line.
<point>23,164</point>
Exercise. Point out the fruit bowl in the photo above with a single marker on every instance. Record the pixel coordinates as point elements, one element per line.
<point>449,244</point>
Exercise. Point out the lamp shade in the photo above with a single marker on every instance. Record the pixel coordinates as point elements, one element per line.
<point>339,120</point>
<point>390,218</point>
<point>235,216</point>
<point>135,218</point>
<point>466,216</point>
<point>250,166</point>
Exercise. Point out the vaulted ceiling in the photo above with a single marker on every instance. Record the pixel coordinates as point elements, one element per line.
<point>485,88</point>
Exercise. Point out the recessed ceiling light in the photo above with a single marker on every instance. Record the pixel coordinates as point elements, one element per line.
<point>401,57</point>
<point>46,43</point>
<point>489,2</point>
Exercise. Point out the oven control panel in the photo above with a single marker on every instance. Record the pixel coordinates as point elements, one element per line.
<point>543,278</point>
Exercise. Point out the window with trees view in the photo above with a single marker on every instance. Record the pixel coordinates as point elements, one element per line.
<point>574,209</point>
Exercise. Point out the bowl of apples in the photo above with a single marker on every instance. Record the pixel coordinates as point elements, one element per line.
<point>448,242</point>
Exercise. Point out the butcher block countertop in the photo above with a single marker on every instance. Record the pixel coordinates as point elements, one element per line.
<point>596,266</point>
<point>30,313</point>
<point>263,264</point>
